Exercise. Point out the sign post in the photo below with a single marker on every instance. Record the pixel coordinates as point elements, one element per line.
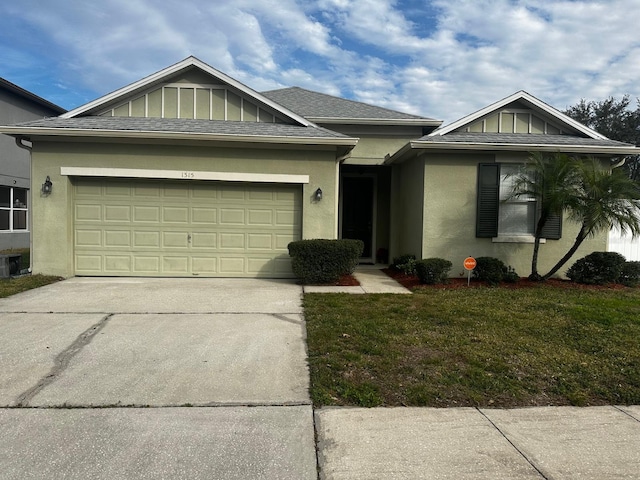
<point>469,264</point>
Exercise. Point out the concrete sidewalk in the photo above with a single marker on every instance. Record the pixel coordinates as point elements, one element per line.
<point>559,443</point>
<point>372,280</point>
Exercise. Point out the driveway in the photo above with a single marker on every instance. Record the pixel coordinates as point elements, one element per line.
<point>221,363</point>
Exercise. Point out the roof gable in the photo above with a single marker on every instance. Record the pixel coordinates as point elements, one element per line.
<point>195,83</point>
<point>522,100</point>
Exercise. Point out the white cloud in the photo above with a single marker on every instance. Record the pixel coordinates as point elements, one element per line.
<point>441,59</point>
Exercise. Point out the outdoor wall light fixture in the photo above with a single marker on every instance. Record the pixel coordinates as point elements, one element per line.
<point>47,186</point>
<point>318,195</point>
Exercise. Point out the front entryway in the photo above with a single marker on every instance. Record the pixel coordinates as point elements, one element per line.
<point>358,198</point>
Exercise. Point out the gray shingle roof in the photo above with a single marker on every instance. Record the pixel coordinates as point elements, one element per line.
<point>174,125</point>
<point>316,105</point>
<point>521,138</point>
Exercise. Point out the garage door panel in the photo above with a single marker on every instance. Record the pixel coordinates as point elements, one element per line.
<point>117,213</point>
<point>89,238</point>
<point>146,264</point>
<point>207,265</point>
<point>88,213</point>
<point>153,228</point>
<point>175,214</point>
<point>205,240</point>
<point>232,216</point>
<point>207,215</point>
<point>146,214</point>
<point>88,264</point>
<point>117,263</point>
<point>117,238</point>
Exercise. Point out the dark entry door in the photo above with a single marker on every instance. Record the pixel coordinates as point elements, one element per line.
<point>357,211</point>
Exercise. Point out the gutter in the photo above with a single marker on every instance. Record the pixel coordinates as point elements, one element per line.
<point>19,132</point>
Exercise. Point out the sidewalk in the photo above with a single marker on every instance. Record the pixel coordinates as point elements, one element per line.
<point>539,443</point>
<point>372,280</point>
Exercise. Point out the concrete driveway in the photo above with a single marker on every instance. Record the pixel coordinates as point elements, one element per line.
<point>222,363</point>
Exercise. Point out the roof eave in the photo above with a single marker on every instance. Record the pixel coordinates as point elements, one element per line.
<point>414,147</point>
<point>28,132</point>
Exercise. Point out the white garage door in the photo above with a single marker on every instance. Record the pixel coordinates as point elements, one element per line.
<point>213,229</point>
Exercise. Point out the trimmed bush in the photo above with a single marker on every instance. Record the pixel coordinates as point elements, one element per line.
<point>597,268</point>
<point>493,271</point>
<point>433,270</point>
<point>630,274</point>
<point>405,263</point>
<point>324,261</point>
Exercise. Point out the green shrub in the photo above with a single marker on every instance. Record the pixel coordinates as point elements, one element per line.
<point>433,270</point>
<point>493,271</point>
<point>405,263</point>
<point>630,274</point>
<point>511,276</point>
<point>597,268</point>
<point>324,261</point>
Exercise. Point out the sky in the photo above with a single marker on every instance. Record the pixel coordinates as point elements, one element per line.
<point>442,59</point>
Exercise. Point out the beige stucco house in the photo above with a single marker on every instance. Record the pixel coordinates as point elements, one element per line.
<point>188,172</point>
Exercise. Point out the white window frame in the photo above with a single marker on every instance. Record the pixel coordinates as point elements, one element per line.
<point>12,208</point>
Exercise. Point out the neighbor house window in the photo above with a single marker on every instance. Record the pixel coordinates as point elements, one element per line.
<point>501,217</point>
<point>13,209</point>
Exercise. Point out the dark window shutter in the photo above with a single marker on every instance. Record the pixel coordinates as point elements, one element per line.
<point>488,200</point>
<point>552,229</point>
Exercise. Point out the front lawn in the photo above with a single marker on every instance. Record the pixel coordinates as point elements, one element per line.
<point>484,347</point>
<point>11,286</point>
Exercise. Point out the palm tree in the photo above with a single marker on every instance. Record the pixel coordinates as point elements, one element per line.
<point>552,180</point>
<point>607,198</point>
<point>593,195</point>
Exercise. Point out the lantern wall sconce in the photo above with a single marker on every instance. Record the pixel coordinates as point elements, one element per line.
<point>318,195</point>
<point>47,186</point>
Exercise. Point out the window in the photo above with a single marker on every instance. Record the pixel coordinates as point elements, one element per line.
<point>517,215</point>
<point>499,218</point>
<point>13,209</point>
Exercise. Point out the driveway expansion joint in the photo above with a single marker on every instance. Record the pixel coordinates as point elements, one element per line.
<point>622,410</point>
<point>62,360</point>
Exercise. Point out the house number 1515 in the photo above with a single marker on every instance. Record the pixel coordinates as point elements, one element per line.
<point>188,175</point>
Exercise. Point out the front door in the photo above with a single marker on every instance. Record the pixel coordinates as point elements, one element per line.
<point>357,211</point>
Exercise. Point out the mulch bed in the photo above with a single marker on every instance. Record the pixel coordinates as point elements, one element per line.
<point>411,282</point>
<point>343,281</point>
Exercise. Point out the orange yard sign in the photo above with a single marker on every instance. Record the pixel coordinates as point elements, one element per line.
<point>470,263</point>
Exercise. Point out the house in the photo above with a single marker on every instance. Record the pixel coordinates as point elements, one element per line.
<point>188,172</point>
<point>17,105</point>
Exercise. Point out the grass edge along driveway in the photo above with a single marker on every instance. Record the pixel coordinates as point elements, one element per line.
<point>484,347</point>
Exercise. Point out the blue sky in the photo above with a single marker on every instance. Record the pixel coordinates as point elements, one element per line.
<point>441,58</point>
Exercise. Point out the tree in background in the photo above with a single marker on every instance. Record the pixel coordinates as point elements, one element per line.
<point>614,119</point>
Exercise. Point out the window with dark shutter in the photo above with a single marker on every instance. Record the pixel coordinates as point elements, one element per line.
<point>488,200</point>
<point>552,230</point>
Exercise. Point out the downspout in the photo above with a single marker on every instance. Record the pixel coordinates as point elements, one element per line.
<point>29,148</point>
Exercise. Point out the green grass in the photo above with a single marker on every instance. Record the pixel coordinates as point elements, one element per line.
<point>11,286</point>
<point>475,347</point>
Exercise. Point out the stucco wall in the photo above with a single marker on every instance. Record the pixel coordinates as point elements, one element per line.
<point>407,205</point>
<point>450,220</point>
<point>52,215</point>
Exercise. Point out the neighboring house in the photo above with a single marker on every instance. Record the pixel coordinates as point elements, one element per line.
<point>188,172</point>
<point>624,244</point>
<point>17,105</point>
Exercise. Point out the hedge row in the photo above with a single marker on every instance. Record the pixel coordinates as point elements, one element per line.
<point>324,261</point>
